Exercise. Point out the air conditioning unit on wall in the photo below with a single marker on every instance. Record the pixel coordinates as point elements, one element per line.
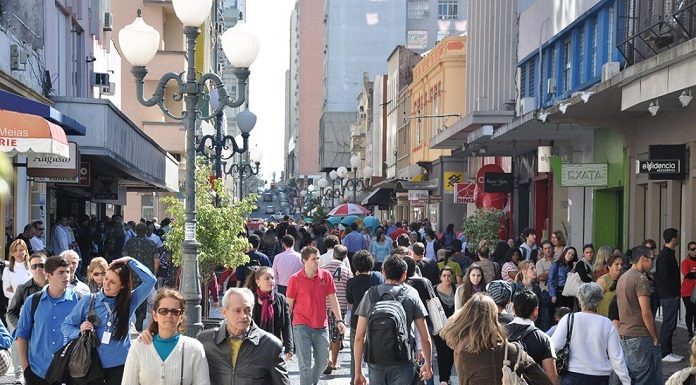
<point>527,105</point>
<point>108,21</point>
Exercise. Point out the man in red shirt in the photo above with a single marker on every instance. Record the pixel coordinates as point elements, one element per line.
<point>398,231</point>
<point>308,291</point>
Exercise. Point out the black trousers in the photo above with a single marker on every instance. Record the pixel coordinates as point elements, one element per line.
<point>690,317</point>
<point>31,378</point>
<point>445,358</point>
<point>112,376</point>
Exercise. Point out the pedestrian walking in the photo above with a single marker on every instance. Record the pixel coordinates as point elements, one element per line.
<point>688,270</point>
<point>480,346</point>
<point>341,275</point>
<point>286,263</point>
<point>595,349</point>
<point>238,351</point>
<point>667,286</point>
<point>308,292</point>
<point>639,339</point>
<point>474,282</point>
<point>171,358</point>
<point>557,277</point>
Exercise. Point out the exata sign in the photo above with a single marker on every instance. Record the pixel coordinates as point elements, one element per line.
<point>584,174</point>
<point>668,166</point>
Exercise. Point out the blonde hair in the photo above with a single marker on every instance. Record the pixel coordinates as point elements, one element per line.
<point>693,351</point>
<point>13,247</point>
<point>602,257</point>
<point>97,262</point>
<point>522,267</point>
<point>474,328</point>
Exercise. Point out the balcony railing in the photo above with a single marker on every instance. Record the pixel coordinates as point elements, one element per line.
<point>648,27</point>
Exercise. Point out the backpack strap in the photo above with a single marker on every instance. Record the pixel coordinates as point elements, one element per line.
<point>35,304</point>
<point>374,295</point>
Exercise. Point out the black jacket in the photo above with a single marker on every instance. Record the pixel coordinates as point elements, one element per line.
<point>667,279</point>
<point>23,291</point>
<point>282,328</point>
<point>259,360</point>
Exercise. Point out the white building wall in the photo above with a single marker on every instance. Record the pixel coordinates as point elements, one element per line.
<point>545,18</point>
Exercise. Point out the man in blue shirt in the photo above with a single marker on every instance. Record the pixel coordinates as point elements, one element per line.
<point>256,258</point>
<point>355,242</point>
<point>39,335</point>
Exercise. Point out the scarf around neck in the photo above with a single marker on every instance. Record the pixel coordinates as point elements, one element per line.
<point>267,311</point>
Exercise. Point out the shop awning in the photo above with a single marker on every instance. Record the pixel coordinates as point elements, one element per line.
<point>26,133</point>
<point>381,193</point>
<point>430,185</point>
<point>16,103</point>
<point>117,148</point>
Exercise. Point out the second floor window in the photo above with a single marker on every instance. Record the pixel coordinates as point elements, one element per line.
<point>447,9</point>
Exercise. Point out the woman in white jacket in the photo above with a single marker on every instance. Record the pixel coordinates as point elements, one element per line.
<point>171,358</point>
<point>15,274</point>
<point>595,349</point>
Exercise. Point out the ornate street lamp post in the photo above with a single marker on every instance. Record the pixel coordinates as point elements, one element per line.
<point>139,43</point>
<point>245,170</point>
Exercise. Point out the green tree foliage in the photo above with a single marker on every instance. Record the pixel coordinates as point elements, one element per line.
<point>484,224</point>
<point>220,230</point>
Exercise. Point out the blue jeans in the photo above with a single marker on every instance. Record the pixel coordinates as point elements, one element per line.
<point>390,375</point>
<point>670,312</point>
<point>311,343</point>
<point>643,360</point>
<point>571,378</point>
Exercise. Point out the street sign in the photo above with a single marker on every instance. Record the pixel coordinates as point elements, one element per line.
<point>663,166</point>
<point>584,174</point>
<point>464,193</point>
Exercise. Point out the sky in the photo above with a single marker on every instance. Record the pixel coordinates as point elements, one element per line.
<point>267,80</point>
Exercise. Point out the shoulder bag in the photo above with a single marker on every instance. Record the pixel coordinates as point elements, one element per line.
<point>573,282</point>
<point>5,361</point>
<point>436,313</point>
<point>510,375</point>
<point>563,355</point>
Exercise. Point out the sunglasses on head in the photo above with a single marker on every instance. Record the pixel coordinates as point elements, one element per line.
<point>35,266</point>
<point>165,311</point>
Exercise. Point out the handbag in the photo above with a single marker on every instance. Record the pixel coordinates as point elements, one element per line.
<point>5,361</point>
<point>81,356</point>
<point>563,355</point>
<point>437,314</point>
<point>693,295</point>
<point>510,376</point>
<point>573,282</point>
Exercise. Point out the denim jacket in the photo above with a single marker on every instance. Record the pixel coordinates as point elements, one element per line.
<point>557,278</point>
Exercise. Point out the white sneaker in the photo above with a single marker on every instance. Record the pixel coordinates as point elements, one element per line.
<point>670,358</point>
<point>677,356</point>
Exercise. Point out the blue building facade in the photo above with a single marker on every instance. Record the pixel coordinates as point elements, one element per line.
<point>572,60</point>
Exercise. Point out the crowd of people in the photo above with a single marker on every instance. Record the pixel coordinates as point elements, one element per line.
<point>407,295</point>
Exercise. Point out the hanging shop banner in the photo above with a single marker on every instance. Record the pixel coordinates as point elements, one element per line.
<point>418,195</point>
<point>465,193</point>
<point>105,189</point>
<point>667,166</point>
<point>584,174</point>
<point>497,182</point>
<point>544,158</point>
<point>450,179</point>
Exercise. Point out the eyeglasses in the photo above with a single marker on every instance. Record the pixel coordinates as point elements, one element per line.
<point>35,266</point>
<point>649,257</point>
<point>690,249</point>
<point>98,274</point>
<point>165,311</point>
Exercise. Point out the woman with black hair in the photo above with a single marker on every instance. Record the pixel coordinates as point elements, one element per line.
<point>114,305</point>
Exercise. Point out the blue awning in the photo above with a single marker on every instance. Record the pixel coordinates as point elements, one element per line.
<point>13,102</point>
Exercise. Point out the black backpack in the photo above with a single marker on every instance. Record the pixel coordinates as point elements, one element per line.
<point>388,339</point>
<point>521,335</point>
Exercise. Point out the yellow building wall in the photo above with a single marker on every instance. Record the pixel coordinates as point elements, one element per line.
<point>438,88</point>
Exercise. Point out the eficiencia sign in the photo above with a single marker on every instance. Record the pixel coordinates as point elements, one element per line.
<point>665,162</point>
<point>667,166</point>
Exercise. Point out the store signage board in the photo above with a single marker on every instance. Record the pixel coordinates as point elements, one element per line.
<point>418,195</point>
<point>544,158</point>
<point>465,193</point>
<point>497,182</point>
<point>584,174</point>
<point>660,167</point>
<point>54,166</point>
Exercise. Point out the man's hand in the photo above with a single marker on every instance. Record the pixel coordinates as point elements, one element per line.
<point>341,327</point>
<point>426,372</point>
<point>287,357</point>
<point>359,378</point>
